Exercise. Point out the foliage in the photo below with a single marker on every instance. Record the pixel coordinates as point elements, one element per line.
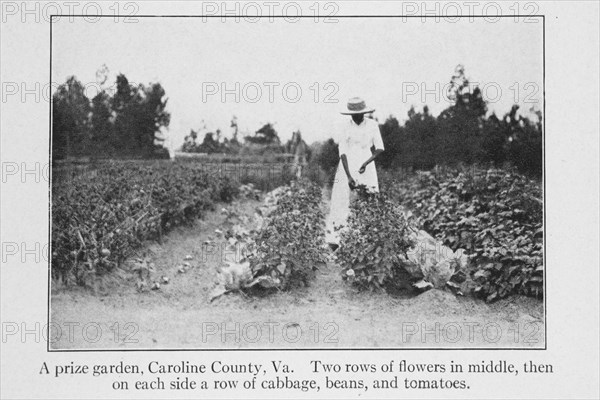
<point>139,115</point>
<point>495,215</point>
<point>265,142</point>
<point>323,163</point>
<point>70,124</point>
<point>372,245</point>
<point>265,135</point>
<point>126,123</point>
<point>265,159</point>
<point>211,144</point>
<point>264,172</point>
<point>266,177</point>
<point>326,155</point>
<point>525,141</point>
<point>463,133</point>
<point>297,145</point>
<point>290,245</point>
<point>97,221</point>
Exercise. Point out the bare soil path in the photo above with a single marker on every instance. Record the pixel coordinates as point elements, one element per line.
<point>327,314</point>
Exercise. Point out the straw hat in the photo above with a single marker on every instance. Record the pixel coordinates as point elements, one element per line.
<point>356,105</point>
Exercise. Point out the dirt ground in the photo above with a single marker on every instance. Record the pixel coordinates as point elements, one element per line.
<point>327,314</point>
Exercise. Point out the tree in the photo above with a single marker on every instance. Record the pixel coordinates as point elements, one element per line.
<point>463,133</point>
<point>494,141</point>
<point>392,136</point>
<point>101,123</point>
<point>125,124</point>
<point>525,141</point>
<point>150,116</point>
<point>325,155</point>
<point>265,135</point>
<point>234,125</point>
<point>461,124</point>
<point>70,119</point>
<point>140,112</point>
<point>189,142</point>
<point>421,136</point>
<point>209,144</point>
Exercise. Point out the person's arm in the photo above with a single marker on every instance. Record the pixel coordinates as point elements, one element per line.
<point>351,181</point>
<point>377,146</point>
<point>374,155</point>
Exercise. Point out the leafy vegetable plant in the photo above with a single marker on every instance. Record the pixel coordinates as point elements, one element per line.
<point>290,246</point>
<point>98,221</point>
<point>371,246</point>
<point>495,215</point>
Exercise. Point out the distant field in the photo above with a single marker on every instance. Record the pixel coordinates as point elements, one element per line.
<point>267,172</point>
<point>235,158</point>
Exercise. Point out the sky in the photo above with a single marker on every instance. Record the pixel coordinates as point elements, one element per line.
<point>292,74</point>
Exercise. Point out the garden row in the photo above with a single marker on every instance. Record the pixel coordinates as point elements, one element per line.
<point>290,246</point>
<point>98,221</point>
<point>495,215</point>
<point>374,247</point>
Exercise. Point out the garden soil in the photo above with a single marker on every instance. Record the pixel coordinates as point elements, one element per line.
<point>328,313</point>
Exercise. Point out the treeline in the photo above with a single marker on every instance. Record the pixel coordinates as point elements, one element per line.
<point>264,139</point>
<point>264,142</point>
<point>463,133</point>
<point>125,122</point>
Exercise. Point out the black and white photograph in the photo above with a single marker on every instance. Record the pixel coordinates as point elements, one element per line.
<point>356,183</point>
<point>387,199</point>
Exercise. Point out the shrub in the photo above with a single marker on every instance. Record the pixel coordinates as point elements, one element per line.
<point>494,215</point>
<point>371,246</point>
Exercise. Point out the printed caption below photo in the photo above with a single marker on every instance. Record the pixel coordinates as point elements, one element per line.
<point>312,376</point>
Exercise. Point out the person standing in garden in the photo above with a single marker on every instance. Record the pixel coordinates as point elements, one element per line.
<point>359,145</point>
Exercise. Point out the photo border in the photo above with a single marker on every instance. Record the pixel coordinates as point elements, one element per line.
<point>50,350</point>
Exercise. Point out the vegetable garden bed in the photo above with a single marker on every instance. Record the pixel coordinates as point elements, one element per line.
<point>97,223</point>
<point>495,215</point>
<point>290,246</point>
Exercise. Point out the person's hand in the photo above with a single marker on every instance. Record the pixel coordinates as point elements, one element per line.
<point>351,183</point>
<point>362,169</point>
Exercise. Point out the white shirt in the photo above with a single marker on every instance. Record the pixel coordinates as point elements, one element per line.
<point>355,142</point>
